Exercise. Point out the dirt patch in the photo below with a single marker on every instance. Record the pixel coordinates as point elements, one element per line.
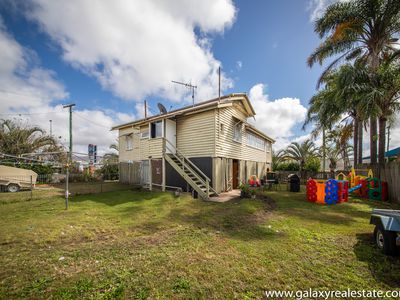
<point>270,204</point>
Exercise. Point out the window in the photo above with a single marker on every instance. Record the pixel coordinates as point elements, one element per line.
<point>237,131</point>
<point>129,142</point>
<point>269,147</point>
<point>255,141</point>
<point>156,129</point>
<point>144,134</point>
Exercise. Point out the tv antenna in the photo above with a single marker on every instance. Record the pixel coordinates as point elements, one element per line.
<point>188,85</point>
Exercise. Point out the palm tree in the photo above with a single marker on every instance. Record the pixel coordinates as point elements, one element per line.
<point>277,159</point>
<point>340,136</point>
<point>301,152</point>
<point>16,139</point>
<point>324,112</point>
<point>333,155</point>
<point>340,100</point>
<point>387,88</point>
<point>362,29</point>
<point>111,157</point>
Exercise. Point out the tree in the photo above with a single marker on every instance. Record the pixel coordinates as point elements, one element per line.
<point>324,111</point>
<point>301,152</point>
<point>339,137</point>
<point>362,29</point>
<point>16,138</point>
<point>333,155</point>
<point>110,166</point>
<point>277,159</point>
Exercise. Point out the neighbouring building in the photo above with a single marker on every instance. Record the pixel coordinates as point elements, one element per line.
<point>208,147</point>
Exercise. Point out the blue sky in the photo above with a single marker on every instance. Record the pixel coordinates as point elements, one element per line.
<point>108,62</point>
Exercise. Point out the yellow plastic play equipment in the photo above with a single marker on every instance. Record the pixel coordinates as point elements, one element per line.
<point>354,179</point>
<point>341,176</point>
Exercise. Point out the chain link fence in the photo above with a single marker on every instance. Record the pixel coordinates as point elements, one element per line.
<point>27,188</point>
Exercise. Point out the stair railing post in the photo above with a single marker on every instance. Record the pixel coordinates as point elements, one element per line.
<point>208,187</point>
<point>163,165</point>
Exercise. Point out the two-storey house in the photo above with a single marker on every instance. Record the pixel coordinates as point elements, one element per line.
<point>209,147</point>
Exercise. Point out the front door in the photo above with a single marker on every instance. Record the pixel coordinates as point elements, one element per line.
<point>170,135</point>
<point>235,174</point>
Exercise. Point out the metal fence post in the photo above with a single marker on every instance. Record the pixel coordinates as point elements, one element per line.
<point>31,187</point>
<point>150,176</point>
<point>66,188</point>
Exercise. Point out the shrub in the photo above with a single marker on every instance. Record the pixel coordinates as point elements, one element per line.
<point>288,166</point>
<point>312,164</point>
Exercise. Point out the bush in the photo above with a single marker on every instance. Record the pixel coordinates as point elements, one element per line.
<point>288,166</point>
<point>245,190</point>
<point>312,164</point>
<point>109,172</point>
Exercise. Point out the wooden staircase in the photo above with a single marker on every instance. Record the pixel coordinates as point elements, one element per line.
<point>189,172</point>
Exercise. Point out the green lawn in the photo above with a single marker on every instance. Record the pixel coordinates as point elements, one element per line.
<point>139,245</point>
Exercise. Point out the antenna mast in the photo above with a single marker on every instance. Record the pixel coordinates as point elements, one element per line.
<point>219,83</point>
<point>188,85</point>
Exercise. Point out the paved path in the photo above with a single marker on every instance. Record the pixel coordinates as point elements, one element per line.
<point>227,196</point>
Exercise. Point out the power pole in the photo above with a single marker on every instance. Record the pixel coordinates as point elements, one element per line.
<point>69,154</point>
<point>70,128</point>
<point>51,127</point>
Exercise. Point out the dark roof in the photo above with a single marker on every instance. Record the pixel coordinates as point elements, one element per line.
<point>390,153</point>
<point>191,108</point>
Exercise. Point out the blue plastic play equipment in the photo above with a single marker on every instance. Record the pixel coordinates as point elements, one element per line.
<point>331,191</point>
<point>355,188</point>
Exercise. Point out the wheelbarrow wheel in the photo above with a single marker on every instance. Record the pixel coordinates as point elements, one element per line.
<point>385,240</point>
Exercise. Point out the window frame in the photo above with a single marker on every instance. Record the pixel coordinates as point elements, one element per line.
<point>146,136</point>
<point>237,131</point>
<point>161,122</point>
<point>129,142</point>
<point>255,141</point>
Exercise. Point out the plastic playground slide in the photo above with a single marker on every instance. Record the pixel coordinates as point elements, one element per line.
<point>355,188</point>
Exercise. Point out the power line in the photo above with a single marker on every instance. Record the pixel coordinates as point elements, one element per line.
<point>28,114</point>
<point>94,123</point>
<point>15,93</point>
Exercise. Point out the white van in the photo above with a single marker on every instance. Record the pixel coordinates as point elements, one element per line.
<point>15,179</point>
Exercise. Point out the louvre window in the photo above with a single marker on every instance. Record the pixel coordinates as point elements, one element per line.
<point>255,141</point>
<point>129,142</point>
<point>237,131</point>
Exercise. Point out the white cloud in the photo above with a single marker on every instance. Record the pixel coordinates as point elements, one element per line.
<point>23,84</point>
<point>239,65</point>
<point>395,134</point>
<point>318,7</point>
<point>135,48</point>
<point>31,90</point>
<point>276,118</point>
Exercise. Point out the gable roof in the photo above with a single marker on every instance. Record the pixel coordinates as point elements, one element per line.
<point>205,105</point>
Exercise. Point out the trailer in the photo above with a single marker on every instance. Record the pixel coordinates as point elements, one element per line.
<point>387,230</point>
<point>15,179</point>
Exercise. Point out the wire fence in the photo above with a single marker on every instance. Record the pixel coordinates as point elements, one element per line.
<point>27,188</point>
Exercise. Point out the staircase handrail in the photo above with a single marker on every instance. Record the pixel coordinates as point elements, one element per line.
<point>185,158</point>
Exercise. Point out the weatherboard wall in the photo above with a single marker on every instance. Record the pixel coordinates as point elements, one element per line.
<point>195,134</point>
<point>226,146</point>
